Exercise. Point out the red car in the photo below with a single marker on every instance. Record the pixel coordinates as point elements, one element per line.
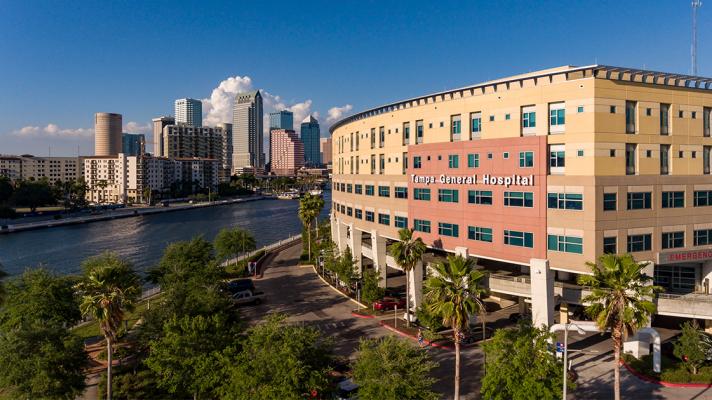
<point>388,303</point>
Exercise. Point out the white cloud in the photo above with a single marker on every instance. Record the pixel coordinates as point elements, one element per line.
<point>136,127</point>
<point>336,113</point>
<point>53,131</point>
<point>218,108</point>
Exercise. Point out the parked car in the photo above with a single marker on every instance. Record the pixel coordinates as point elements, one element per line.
<point>347,390</point>
<point>247,297</point>
<point>394,292</point>
<point>388,303</point>
<point>238,285</point>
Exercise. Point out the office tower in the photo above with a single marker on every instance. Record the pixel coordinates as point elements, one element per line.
<point>248,154</point>
<point>325,144</point>
<point>158,125</point>
<point>134,144</point>
<point>281,120</point>
<point>226,159</point>
<point>286,152</point>
<point>189,112</point>
<point>107,134</point>
<point>310,137</point>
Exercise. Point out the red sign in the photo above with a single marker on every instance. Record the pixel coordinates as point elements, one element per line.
<point>682,256</point>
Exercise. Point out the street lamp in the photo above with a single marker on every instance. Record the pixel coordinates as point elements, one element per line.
<point>580,331</point>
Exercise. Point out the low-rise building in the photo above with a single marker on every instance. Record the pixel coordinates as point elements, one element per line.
<point>29,167</point>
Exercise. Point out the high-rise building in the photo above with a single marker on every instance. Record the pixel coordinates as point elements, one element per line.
<point>185,141</point>
<point>247,134</point>
<point>310,137</point>
<point>189,112</point>
<point>134,144</point>
<point>107,134</point>
<point>325,144</point>
<point>286,152</point>
<point>226,159</point>
<point>158,125</point>
<point>281,120</point>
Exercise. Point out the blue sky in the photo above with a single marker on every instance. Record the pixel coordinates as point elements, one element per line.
<point>62,61</point>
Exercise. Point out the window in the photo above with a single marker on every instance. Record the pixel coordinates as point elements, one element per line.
<point>609,201</point>
<point>681,114</point>
<point>517,238</point>
<point>612,152</point>
<point>349,188</point>
<point>447,229</point>
<point>612,109</point>
<point>420,225</point>
<point>665,119</point>
<point>384,191</point>
<point>369,190</point>
<point>349,211</point>
<point>479,233</point>
<point>557,158</point>
<point>417,163</point>
<point>455,128</point>
<point>475,124</point>
<point>706,159</point>
<point>358,214</point>
<point>401,192</point>
<point>526,159</point>
<point>453,161</point>
<point>519,199</point>
<point>565,201</point>
<point>505,155</point>
<point>384,219</point>
<point>680,154</point>
<point>373,138</point>
<point>703,198</point>
<point>706,121</point>
<point>630,150</point>
<point>489,156</point>
<point>638,200</point>
<point>610,245</point>
<point>406,133</point>
<point>664,159</point>
<point>557,117</point>
<point>693,114</point>
<point>442,124</point>
<point>507,117</point>
<point>400,222</point>
<point>381,137</point>
<point>448,195</point>
<point>579,109</point>
<point>673,240</point>
<point>358,189</point>
<point>567,244</point>
<point>418,132</point>
<point>648,111</point>
<point>373,164</point>
<point>630,114</point>
<point>528,120</point>
<point>369,216</point>
<point>479,197</point>
<point>491,118</point>
<point>473,160</point>
<point>639,243</point>
<point>673,199</point>
<point>381,164</point>
<point>421,194</point>
<point>703,237</point>
<point>579,153</point>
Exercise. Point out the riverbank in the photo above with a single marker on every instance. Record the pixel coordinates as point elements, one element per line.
<point>120,213</point>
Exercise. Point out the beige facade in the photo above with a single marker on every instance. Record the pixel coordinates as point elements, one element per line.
<point>325,150</point>
<point>107,134</point>
<point>112,179</point>
<point>29,167</point>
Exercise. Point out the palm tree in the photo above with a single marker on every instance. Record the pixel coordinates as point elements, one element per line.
<point>620,300</point>
<point>109,288</point>
<point>309,208</point>
<point>454,293</point>
<point>407,253</point>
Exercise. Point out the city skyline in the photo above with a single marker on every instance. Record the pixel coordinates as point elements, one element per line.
<point>34,118</point>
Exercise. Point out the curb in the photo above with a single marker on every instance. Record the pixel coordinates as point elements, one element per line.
<point>401,333</point>
<point>337,290</point>
<point>357,315</point>
<point>663,383</point>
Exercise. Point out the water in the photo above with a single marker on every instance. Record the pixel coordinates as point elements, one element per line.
<point>142,239</point>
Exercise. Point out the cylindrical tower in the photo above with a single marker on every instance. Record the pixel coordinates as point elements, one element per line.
<point>107,134</point>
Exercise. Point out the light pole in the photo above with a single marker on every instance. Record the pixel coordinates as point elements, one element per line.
<point>580,331</point>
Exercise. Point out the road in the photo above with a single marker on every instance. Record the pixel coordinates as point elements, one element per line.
<point>299,293</point>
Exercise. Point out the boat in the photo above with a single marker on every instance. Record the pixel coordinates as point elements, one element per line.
<point>288,195</point>
<point>316,192</point>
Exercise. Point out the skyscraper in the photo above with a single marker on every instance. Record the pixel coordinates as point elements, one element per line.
<point>281,120</point>
<point>158,125</point>
<point>310,137</point>
<point>107,134</point>
<point>325,151</point>
<point>189,112</point>
<point>133,144</point>
<point>286,152</point>
<point>247,135</point>
<point>226,160</point>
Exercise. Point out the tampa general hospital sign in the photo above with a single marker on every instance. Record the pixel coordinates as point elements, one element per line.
<point>474,179</point>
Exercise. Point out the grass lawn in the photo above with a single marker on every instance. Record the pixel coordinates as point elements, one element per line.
<point>672,370</point>
<point>92,329</point>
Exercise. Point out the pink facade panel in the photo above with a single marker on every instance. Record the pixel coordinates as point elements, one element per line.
<point>494,166</point>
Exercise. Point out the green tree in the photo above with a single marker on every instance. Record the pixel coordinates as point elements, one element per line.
<point>620,300</point>
<point>344,267</point>
<point>279,361</point>
<point>691,347</point>
<point>185,359</point>
<point>6,189</point>
<point>309,208</point>
<point>407,253</point>
<point>109,288</point>
<point>371,291</point>
<point>521,366</point>
<point>454,293</point>
<point>392,369</point>
<point>33,194</point>
<point>231,243</point>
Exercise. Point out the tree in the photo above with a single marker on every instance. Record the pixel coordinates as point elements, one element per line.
<point>279,361</point>
<point>309,208</point>
<point>371,291</point>
<point>620,300</point>
<point>407,253</point>
<point>692,347</point>
<point>392,369</point>
<point>6,189</point>
<point>184,360</point>
<point>344,267</point>
<point>3,274</point>
<point>234,242</point>
<point>33,194</point>
<point>520,365</point>
<point>454,294</point>
<point>109,288</point>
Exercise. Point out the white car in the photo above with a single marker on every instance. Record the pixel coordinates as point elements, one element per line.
<point>347,390</point>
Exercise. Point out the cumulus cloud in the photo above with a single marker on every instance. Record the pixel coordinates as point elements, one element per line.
<point>336,113</point>
<point>218,107</point>
<point>53,131</point>
<point>136,127</point>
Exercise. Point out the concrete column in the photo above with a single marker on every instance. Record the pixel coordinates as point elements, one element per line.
<point>649,270</point>
<point>343,236</point>
<point>522,305</point>
<point>378,248</point>
<point>564,313</point>
<point>334,228</point>
<point>706,277</point>
<point>461,251</point>
<point>708,326</point>
<point>542,286</point>
<point>354,242</point>
<point>415,282</point>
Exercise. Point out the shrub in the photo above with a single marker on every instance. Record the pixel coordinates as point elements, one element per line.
<point>428,320</point>
<point>7,212</point>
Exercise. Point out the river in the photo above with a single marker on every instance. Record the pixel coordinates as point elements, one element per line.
<point>142,239</point>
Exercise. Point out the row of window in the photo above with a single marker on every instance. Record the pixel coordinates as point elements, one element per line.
<point>526,159</point>
<point>632,113</point>
<point>669,240</point>
<point>482,234</point>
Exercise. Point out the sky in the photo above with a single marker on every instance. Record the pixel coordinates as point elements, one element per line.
<point>62,61</point>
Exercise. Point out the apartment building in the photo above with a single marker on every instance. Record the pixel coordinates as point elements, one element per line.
<point>51,168</point>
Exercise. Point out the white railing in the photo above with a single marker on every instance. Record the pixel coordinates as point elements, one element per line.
<point>265,249</point>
